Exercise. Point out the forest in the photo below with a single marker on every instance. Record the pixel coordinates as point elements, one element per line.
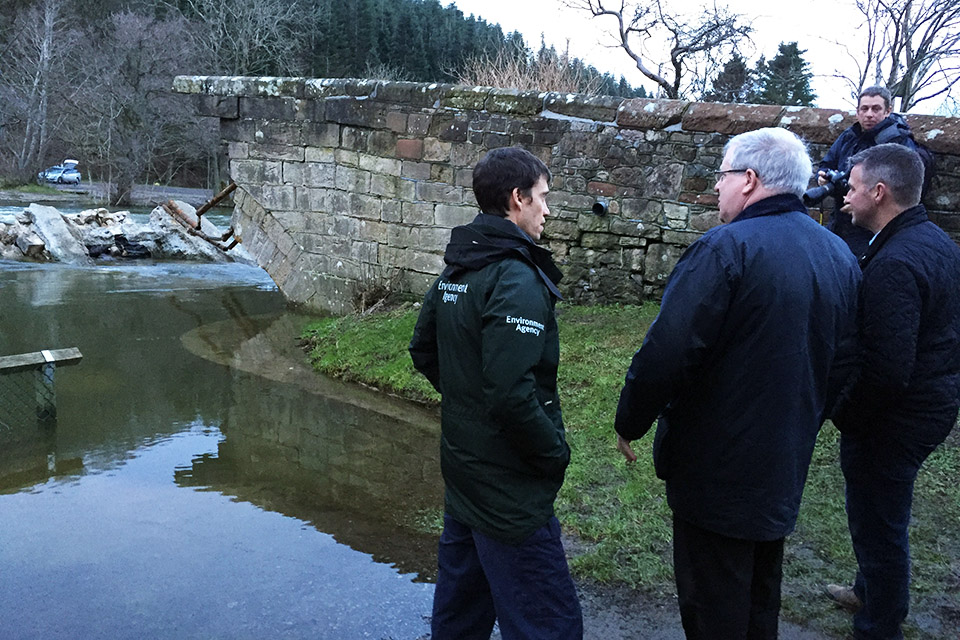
<point>91,80</point>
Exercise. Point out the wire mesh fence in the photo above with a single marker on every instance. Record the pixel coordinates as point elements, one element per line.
<point>27,397</point>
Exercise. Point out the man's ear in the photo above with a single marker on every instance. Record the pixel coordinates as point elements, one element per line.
<point>751,183</point>
<point>516,198</point>
<point>882,192</point>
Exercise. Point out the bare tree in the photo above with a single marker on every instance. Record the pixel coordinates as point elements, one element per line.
<point>252,37</point>
<point>910,46</point>
<point>127,121</point>
<point>678,53</point>
<point>31,76</point>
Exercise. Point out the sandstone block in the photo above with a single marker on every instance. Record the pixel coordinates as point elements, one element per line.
<point>451,216</point>
<point>352,180</point>
<point>434,192</point>
<point>377,164</point>
<point>226,107</point>
<point>730,119</point>
<point>436,151</point>
<point>382,185</point>
<point>659,262</point>
<point>644,113</point>
<point>417,212</point>
<point>410,149</point>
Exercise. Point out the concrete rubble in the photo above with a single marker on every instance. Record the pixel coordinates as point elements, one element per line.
<point>43,234</point>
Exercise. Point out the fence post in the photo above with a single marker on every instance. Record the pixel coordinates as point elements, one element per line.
<point>46,393</point>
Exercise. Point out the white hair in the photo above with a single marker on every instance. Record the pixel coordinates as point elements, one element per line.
<point>778,156</point>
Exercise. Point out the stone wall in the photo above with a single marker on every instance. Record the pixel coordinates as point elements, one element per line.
<point>348,186</point>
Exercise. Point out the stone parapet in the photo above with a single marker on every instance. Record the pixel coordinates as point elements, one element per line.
<point>349,185</point>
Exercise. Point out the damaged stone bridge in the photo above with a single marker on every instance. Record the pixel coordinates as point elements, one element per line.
<point>350,186</point>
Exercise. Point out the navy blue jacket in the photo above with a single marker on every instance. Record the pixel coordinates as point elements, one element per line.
<point>740,364</point>
<point>908,383</point>
<point>852,141</point>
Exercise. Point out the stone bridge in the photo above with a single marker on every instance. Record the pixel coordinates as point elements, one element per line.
<point>347,187</point>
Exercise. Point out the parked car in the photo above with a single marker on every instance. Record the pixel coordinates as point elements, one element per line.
<point>64,173</point>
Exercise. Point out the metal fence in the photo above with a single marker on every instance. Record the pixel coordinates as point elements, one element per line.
<point>27,392</point>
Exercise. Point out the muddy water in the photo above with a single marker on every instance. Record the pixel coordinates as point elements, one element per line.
<point>201,482</point>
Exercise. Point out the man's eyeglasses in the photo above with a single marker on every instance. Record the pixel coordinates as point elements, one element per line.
<point>722,172</point>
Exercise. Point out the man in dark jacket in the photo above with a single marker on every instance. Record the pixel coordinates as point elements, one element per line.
<point>903,400</point>
<point>876,124</point>
<point>740,366</point>
<point>487,340</point>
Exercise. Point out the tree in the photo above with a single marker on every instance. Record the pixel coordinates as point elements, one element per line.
<point>31,79</point>
<point>692,43</point>
<point>785,80</point>
<point>252,37</point>
<point>126,120</point>
<point>912,47</point>
<point>734,83</point>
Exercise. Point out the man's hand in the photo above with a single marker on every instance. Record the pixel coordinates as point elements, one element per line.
<point>623,446</point>
<point>821,178</point>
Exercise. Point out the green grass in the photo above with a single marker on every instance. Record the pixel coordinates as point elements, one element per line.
<point>370,349</point>
<point>618,511</point>
<point>30,187</point>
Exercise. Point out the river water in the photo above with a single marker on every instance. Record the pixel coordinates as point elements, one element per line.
<point>201,481</point>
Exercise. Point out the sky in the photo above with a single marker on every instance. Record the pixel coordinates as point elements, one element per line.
<point>816,25</point>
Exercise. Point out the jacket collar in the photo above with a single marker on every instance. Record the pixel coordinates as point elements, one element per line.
<point>892,120</point>
<point>909,218</point>
<point>772,205</point>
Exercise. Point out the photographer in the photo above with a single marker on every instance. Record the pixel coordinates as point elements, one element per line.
<point>876,124</point>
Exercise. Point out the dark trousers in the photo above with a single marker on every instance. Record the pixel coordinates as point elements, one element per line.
<point>729,589</point>
<point>879,473</point>
<point>526,587</point>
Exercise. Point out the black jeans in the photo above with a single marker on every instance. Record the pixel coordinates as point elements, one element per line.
<point>880,472</point>
<point>729,589</point>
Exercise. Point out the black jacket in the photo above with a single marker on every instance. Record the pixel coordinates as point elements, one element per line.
<point>908,382</point>
<point>852,141</point>
<point>740,365</point>
<point>487,340</point>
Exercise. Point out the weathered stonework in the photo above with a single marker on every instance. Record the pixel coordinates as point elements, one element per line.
<point>347,184</point>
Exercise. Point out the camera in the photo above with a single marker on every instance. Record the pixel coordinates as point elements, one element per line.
<point>836,185</point>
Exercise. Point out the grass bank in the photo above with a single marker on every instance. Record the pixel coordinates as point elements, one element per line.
<point>619,512</point>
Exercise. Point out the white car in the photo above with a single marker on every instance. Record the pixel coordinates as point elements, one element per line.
<point>64,173</point>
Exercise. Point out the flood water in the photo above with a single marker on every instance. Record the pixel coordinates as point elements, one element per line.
<point>201,481</point>
<point>220,216</point>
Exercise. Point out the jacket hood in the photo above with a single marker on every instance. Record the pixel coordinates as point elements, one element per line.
<point>887,130</point>
<point>490,239</point>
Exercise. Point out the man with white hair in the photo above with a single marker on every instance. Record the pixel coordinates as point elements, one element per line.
<point>740,366</point>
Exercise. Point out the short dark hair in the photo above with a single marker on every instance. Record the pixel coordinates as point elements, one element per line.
<point>898,167</point>
<point>874,91</point>
<point>500,172</point>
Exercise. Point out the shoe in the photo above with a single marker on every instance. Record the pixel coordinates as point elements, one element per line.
<point>844,596</point>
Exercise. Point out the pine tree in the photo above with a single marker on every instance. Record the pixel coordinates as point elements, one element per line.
<point>785,80</point>
<point>734,83</point>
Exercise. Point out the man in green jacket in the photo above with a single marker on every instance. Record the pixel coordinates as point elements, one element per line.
<point>487,340</point>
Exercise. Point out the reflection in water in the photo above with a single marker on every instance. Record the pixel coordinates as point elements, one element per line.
<point>350,461</point>
<point>223,496</point>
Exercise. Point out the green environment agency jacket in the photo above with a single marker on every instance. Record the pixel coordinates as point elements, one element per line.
<point>487,340</point>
